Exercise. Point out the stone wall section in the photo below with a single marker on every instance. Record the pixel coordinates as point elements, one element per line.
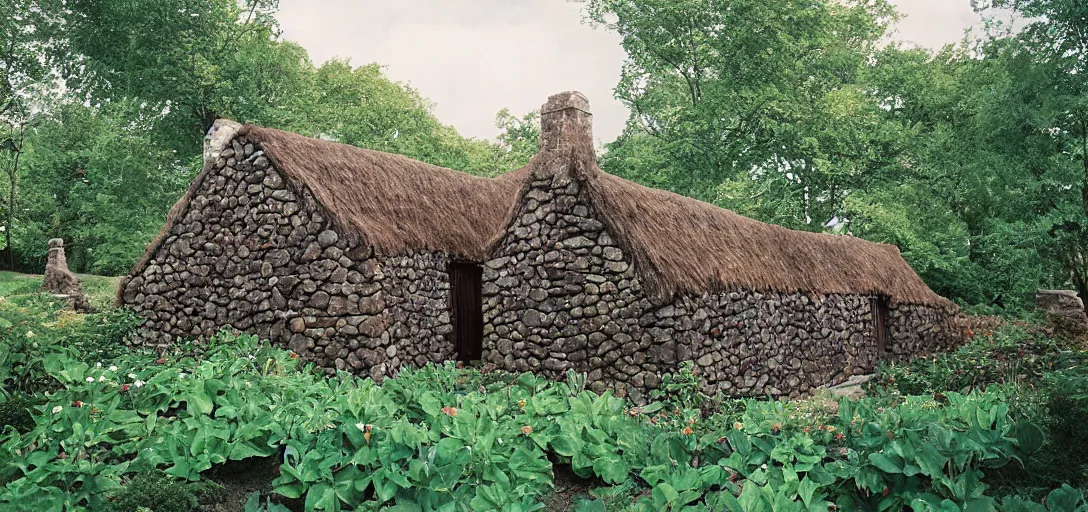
<point>254,254</point>
<point>560,294</point>
<point>917,329</point>
<point>748,343</point>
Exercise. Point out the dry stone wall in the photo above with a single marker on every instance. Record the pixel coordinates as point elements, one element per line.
<point>561,294</point>
<point>917,330</point>
<point>254,254</point>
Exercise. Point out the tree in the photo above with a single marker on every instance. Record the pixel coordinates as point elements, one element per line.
<point>178,57</point>
<point>520,137</point>
<point>95,177</point>
<point>13,145</point>
<point>749,100</point>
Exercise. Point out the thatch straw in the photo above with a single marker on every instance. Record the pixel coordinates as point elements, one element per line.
<point>677,244</point>
<point>682,245</point>
<point>390,202</point>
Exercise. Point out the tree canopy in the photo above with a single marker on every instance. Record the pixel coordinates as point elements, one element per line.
<point>970,159</point>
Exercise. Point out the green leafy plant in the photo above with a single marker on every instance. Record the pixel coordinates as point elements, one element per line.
<point>154,491</point>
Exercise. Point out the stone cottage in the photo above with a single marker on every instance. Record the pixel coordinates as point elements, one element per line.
<point>364,261</point>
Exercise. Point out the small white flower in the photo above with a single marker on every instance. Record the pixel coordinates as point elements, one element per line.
<point>139,383</point>
<point>30,334</point>
<point>360,426</point>
<point>101,378</point>
<point>113,368</point>
<point>58,409</point>
<point>132,375</point>
<point>98,365</point>
<point>90,379</point>
<point>181,375</point>
<point>500,441</point>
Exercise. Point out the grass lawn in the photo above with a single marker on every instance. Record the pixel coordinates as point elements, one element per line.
<point>101,289</point>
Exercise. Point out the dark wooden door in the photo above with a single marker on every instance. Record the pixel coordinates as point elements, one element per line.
<point>880,325</point>
<point>466,309</point>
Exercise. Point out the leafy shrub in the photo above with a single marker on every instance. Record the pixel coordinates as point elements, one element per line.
<point>1062,499</point>
<point>680,389</point>
<point>1064,396</point>
<point>154,491</point>
<point>16,413</point>
<point>1010,355</point>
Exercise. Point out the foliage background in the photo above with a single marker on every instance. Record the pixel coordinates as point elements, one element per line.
<point>970,159</point>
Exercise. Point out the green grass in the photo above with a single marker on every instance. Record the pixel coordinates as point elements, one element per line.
<point>101,289</point>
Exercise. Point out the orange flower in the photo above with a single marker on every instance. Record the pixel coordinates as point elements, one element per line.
<point>294,355</point>
<point>521,403</point>
<point>821,427</point>
<point>527,430</point>
<point>687,431</point>
<point>366,436</point>
<point>776,428</point>
<point>738,425</point>
<point>806,430</point>
<point>830,429</point>
<point>161,360</point>
<point>840,436</point>
<point>449,411</point>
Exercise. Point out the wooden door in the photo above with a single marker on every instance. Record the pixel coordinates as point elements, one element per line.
<point>466,310</point>
<point>881,330</point>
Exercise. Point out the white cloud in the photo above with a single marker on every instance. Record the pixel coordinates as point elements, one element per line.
<point>473,58</point>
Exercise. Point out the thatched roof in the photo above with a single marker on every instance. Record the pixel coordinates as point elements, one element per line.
<point>391,202</point>
<point>678,245</point>
<point>682,245</point>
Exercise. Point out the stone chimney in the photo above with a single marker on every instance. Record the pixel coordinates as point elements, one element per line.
<point>565,120</point>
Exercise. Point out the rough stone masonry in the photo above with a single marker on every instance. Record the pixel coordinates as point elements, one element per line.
<point>252,250</point>
<point>252,254</point>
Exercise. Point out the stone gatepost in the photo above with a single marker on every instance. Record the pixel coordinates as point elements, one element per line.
<point>1064,312</point>
<point>60,281</point>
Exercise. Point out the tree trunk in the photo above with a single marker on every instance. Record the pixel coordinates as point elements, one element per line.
<point>1084,162</point>
<point>13,175</point>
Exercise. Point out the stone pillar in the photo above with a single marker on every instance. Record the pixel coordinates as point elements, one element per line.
<point>60,281</point>
<point>1064,312</point>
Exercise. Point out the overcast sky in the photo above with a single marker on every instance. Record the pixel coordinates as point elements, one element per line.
<point>474,57</point>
